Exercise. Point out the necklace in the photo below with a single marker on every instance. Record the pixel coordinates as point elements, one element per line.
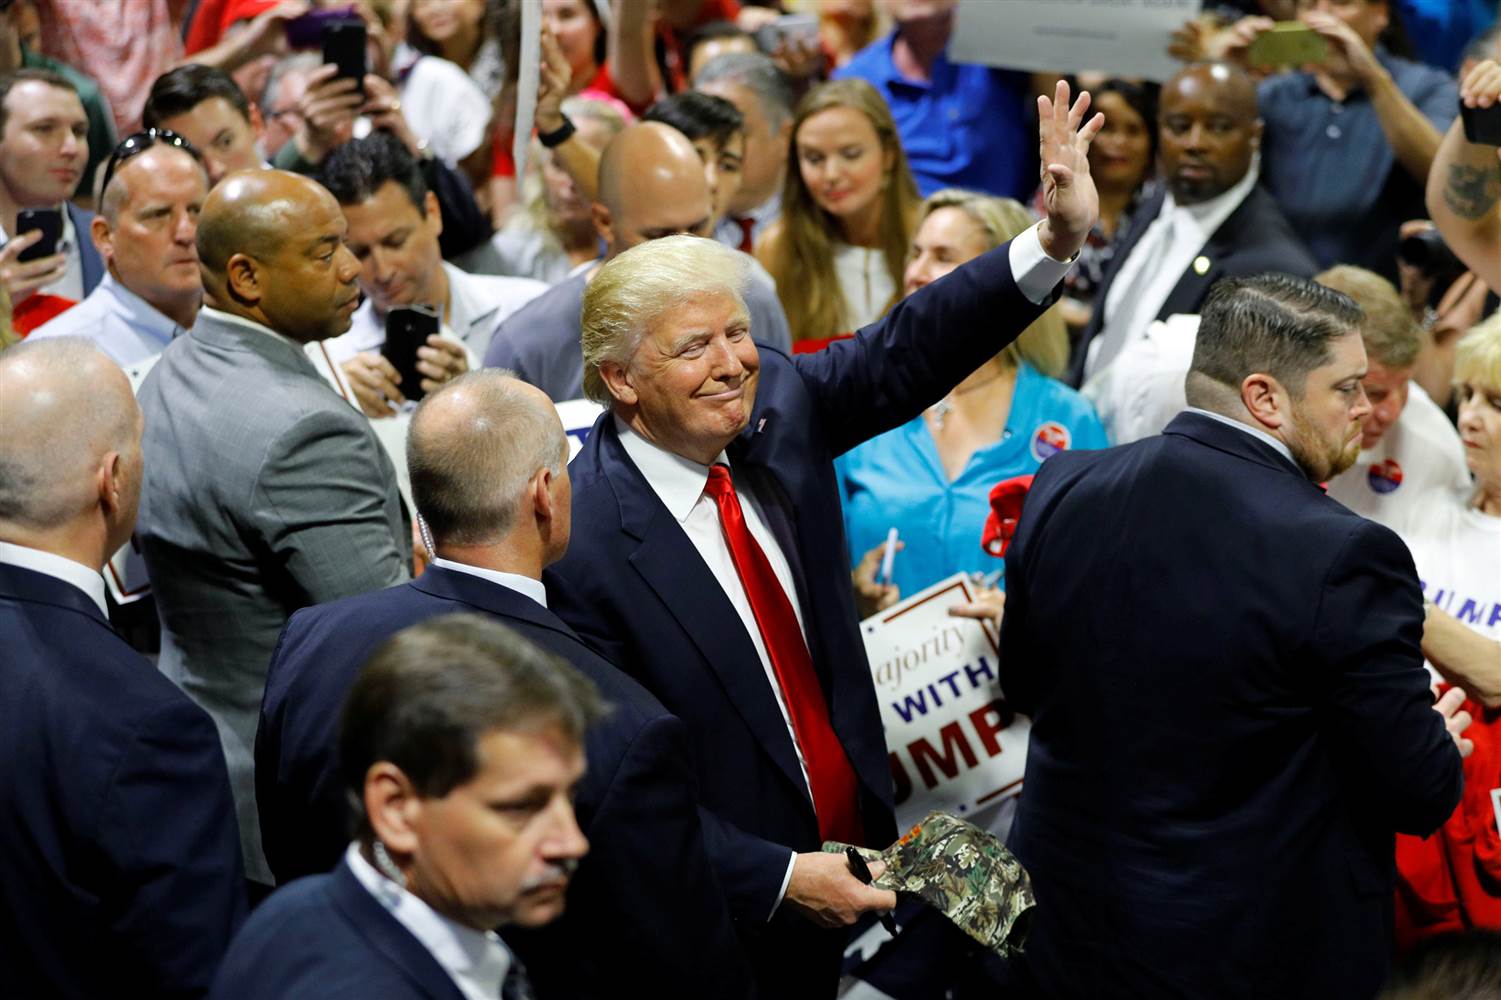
<point>941,409</point>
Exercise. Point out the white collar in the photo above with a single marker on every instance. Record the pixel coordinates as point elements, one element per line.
<point>677,481</point>
<point>471,958</point>
<point>219,315</point>
<point>1212,213</point>
<point>1256,432</point>
<point>523,585</point>
<point>59,568</point>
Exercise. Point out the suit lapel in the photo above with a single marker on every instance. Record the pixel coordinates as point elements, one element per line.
<point>388,938</point>
<point>1191,290</point>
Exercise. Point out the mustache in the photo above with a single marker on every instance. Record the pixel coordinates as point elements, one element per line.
<point>552,874</point>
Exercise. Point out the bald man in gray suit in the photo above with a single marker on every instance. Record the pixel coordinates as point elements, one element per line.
<point>264,490</point>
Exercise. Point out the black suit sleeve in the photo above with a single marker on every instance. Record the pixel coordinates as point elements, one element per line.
<point>1387,739</point>
<point>168,834</point>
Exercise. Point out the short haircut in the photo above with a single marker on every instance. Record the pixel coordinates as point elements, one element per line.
<point>698,116</point>
<point>635,288</point>
<point>31,75</point>
<point>46,472</point>
<point>355,171</point>
<point>467,480</point>
<point>758,74</point>
<point>112,197</point>
<point>433,691</point>
<point>1274,324</point>
<point>1477,356</point>
<point>180,90</point>
<point>1392,335</point>
<point>1458,966</point>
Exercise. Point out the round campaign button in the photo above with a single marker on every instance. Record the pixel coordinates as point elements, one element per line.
<point>1384,477</point>
<point>1049,439</point>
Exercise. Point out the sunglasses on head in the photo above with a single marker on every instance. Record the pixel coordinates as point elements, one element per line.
<point>132,145</point>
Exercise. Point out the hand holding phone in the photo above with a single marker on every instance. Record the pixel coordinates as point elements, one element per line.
<point>344,46</point>
<point>1288,43</point>
<point>407,330</point>
<point>48,222</point>
<point>21,279</point>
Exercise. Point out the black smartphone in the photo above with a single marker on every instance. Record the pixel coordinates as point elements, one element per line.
<point>1482,125</point>
<point>407,328</point>
<point>50,222</point>
<point>344,46</point>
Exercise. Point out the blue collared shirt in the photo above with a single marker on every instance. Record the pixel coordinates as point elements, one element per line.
<point>123,325</point>
<point>1332,170</point>
<point>967,127</point>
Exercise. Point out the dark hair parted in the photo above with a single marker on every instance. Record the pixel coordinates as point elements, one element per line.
<point>698,116</point>
<point>33,75</point>
<point>358,169</point>
<point>431,692</point>
<point>1269,323</point>
<point>180,90</point>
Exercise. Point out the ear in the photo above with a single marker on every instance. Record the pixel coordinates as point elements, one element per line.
<point>103,239</point>
<point>110,485</point>
<point>242,278</point>
<point>1266,400</point>
<point>540,490</point>
<point>617,379</point>
<point>393,806</point>
<point>432,214</point>
<point>603,224</point>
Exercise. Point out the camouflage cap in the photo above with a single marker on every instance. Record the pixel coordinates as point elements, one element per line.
<point>963,872</point>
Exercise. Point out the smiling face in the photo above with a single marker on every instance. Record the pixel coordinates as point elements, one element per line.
<point>397,247</point>
<point>498,849</point>
<point>150,243</point>
<point>691,385</point>
<point>44,145</point>
<point>842,162</point>
<point>573,24</point>
<point>1120,155</point>
<point>1325,428</point>
<point>947,238</point>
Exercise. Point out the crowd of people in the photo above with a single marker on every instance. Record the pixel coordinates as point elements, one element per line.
<point>435,561</point>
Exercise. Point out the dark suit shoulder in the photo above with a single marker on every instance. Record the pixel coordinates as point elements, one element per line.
<point>1257,237</point>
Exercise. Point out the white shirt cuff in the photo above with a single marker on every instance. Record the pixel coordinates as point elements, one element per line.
<point>786,881</point>
<point>1034,272</point>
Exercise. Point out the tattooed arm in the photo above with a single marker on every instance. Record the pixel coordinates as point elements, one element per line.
<point>1464,185</point>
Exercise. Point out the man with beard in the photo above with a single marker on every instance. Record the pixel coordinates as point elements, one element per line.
<point>1230,716</point>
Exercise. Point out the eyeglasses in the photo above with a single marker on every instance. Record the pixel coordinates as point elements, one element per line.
<point>133,145</point>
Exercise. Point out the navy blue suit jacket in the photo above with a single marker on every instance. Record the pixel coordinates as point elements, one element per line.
<point>644,900</point>
<point>1230,720</point>
<point>633,585</point>
<point>326,938</point>
<point>92,264</point>
<point>120,864</point>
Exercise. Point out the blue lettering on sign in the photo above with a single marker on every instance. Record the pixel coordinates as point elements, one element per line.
<point>1473,611</point>
<point>916,702</point>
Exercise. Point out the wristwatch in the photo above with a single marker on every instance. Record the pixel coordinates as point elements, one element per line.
<point>558,136</point>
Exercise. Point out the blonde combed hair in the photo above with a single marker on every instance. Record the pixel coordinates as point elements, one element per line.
<point>802,260</point>
<point>1391,334</point>
<point>1044,344</point>
<point>1477,356</point>
<point>635,288</point>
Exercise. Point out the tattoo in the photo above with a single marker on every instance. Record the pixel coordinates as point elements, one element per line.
<point>1472,191</point>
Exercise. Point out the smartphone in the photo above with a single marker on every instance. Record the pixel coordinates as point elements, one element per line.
<point>795,28</point>
<point>1482,125</point>
<point>1288,43</point>
<point>50,222</point>
<point>306,32</point>
<point>407,328</point>
<point>344,46</point>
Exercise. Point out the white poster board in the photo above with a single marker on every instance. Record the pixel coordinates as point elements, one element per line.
<point>1118,37</point>
<point>953,744</point>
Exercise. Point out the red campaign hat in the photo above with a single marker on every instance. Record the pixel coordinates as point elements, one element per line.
<point>1006,499</point>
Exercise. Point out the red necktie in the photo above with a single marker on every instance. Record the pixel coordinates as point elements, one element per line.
<point>835,788</point>
<point>746,225</point>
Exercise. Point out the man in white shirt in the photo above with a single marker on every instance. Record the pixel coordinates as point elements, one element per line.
<point>1407,445</point>
<point>1210,220</point>
<point>146,232</point>
<point>394,226</point>
<point>461,744</point>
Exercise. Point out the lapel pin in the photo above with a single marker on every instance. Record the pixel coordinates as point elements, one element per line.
<point>1201,265</point>
<point>761,425</point>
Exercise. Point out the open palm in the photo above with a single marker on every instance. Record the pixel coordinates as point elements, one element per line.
<point>1068,192</point>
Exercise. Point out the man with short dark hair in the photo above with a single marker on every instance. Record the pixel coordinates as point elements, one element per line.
<point>207,107</point>
<point>717,130</point>
<point>119,862</point>
<point>486,455</point>
<point>43,149</point>
<point>1230,716</point>
<point>462,743</point>
<point>265,491</point>
<point>394,227</point>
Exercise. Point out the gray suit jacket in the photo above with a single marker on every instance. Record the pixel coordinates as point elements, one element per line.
<point>264,492</point>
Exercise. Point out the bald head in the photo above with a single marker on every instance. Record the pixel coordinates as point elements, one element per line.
<point>473,449</point>
<point>1208,130</point>
<point>65,407</point>
<point>651,184</point>
<point>254,212</point>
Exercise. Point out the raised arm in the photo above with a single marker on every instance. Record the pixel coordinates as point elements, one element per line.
<point>1465,184</point>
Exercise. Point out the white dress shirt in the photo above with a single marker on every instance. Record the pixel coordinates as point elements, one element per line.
<point>476,961</point>
<point>59,568</point>
<point>1155,266</point>
<point>249,324</point>
<point>1138,393</point>
<point>121,323</point>
<point>1282,449</point>
<point>523,585</point>
<point>729,232</point>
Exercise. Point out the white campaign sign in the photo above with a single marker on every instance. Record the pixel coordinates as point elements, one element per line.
<point>1118,37</point>
<point>953,743</point>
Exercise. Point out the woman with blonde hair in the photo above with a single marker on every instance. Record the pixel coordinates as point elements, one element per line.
<point>848,208</point>
<point>931,478</point>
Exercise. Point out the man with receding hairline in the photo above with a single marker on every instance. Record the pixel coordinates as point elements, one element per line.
<point>265,491</point>
<point>651,185</point>
<point>119,862</point>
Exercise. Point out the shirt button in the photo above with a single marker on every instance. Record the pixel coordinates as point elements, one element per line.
<point>953,114</point>
<point>1333,132</point>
